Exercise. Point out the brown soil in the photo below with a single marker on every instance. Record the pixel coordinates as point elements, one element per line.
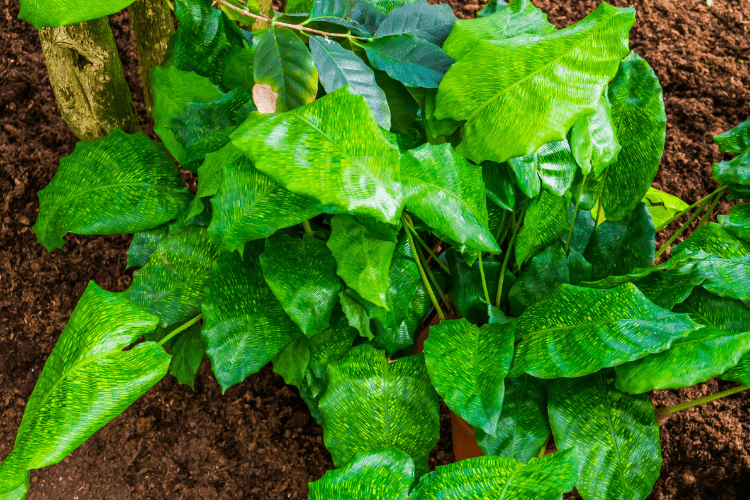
<point>258,440</point>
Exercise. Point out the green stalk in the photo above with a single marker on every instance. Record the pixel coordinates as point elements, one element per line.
<point>575,214</point>
<point>308,229</point>
<point>181,329</point>
<point>662,226</point>
<point>512,242</point>
<point>421,270</point>
<point>707,399</point>
<point>544,446</point>
<point>484,281</point>
<point>443,266</point>
<point>707,215</point>
<point>679,231</point>
<point>503,229</point>
<point>429,272</point>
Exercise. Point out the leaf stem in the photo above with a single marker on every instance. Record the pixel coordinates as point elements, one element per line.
<point>679,231</point>
<point>502,228</point>
<point>442,265</point>
<point>421,269</point>
<point>429,272</point>
<point>707,399</point>
<point>575,214</point>
<point>308,229</point>
<point>484,280</point>
<point>544,446</point>
<point>707,215</point>
<point>182,328</point>
<point>598,213</point>
<point>664,225</point>
<point>516,227</point>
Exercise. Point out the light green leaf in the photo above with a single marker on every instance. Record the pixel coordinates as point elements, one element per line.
<point>302,274</point>
<point>737,221</point>
<point>518,18</point>
<point>87,381</point>
<point>432,23</point>
<point>545,478</point>
<point>546,220</point>
<point>371,403</point>
<point>436,128</point>
<point>638,113</point>
<point>412,61</point>
<point>662,206</point>
<point>144,244</point>
<point>736,140</point>
<point>283,61</point>
<point>616,435</point>
<point>210,175</point>
<point>523,426</point>
<point>467,366</point>
<point>18,493</point>
<point>244,324</point>
<point>593,139</point>
<point>580,330</point>
<point>187,353</point>
<point>546,271</point>
<point>118,184</point>
<point>351,166</point>
<point>552,166</point>
<point>63,12</point>
<point>338,67</point>
<point>514,101</point>
<point>740,372</point>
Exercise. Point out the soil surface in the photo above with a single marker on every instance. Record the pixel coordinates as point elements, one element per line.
<point>258,441</point>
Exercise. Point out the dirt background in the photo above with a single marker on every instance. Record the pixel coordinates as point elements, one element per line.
<point>258,440</point>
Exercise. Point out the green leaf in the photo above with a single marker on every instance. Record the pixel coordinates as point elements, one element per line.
<point>716,312</point>
<point>518,18</point>
<point>579,268</point>
<point>302,275</point>
<point>118,184</point>
<point>238,63</point>
<point>362,18</point>
<point>619,247</point>
<point>187,354</point>
<point>356,314</point>
<point>593,139</point>
<point>299,6</point>
<point>283,61</point>
<point>467,366</point>
<point>546,220</point>
<point>412,61</point>
<point>244,324</point>
<point>468,294</point>
<point>662,206</point>
<point>63,12</point>
<point>447,193</point>
<point>173,89</point>
<point>740,372</point>
<point>384,474</point>
<point>291,362</point>
<point>18,493</point>
<point>437,128</point>
<point>545,478</point>
<point>667,288</point>
<point>352,167</point>
<point>735,172</point>
<point>363,257</point>
<point>580,330</point>
<point>737,221</point>
<point>210,175</point>
<point>736,140</point>
<point>523,426</point>
<point>492,7</point>
<point>144,244</point>
<point>338,67</point>
<point>499,184</point>
<point>582,229</point>
<point>551,167</point>
<point>638,113</point>
<point>172,284</point>
<point>87,381</point>
<point>616,435</point>
<point>432,23</point>
<point>514,101</point>
<point>328,346</point>
<point>403,107</point>
<point>371,403</point>
<point>546,271</point>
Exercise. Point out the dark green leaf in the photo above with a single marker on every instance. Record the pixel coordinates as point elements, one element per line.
<point>579,268</point>
<point>144,244</point>
<point>737,221</point>
<point>583,228</point>
<point>667,288</point>
<point>410,60</point>
<point>291,362</point>
<point>187,354</point>
<point>468,294</point>
<point>362,18</point>
<point>499,184</point>
<point>437,128</point>
<point>238,66</point>
<point>736,140</point>
<point>432,23</point>
<point>546,271</point>
<point>403,107</point>
<point>356,313</point>
<point>210,175</point>
<point>735,171</point>
<point>546,220</point>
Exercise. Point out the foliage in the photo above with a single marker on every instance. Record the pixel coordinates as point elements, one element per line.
<point>355,185</point>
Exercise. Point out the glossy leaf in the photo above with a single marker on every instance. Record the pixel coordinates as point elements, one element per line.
<point>363,257</point>
<point>144,244</point>
<point>737,221</point>
<point>662,206</point>
<point>115,185</point>
<point>328,346</point>
<point>412,61</point>
<point>546,220</point>
<point>545,478</point>
<point>244,324</point>
<point>546,271</point>
<point>668,288</point>
<point>63,12</point>
<point>616,435</point>
<point>523,426</point>
<point>593,139</point>
<point>87,381</point>
<point>371,403</point>
<point>735,172</point>
<point>579,330</point>
<point>467,366</point>
<point>582,229</point>
<point>437,127</point>
<point>736,140</point>
<point>551,167</point>
<point>18,493</point>
<point>499,184</point>
<point>638,112</point>
<point>292,361</point>
<point>516,19</point>
<point>356,314</point>
<point>210,175</point>
<point>740,372</point>
<point>346,165</point>
<point>302,275</point>
<point>187,353</point>
<point>515,101</point>
<point>338,67</point>
<point>432,23</point>
<point>362,18</point>
<point>468,294</point>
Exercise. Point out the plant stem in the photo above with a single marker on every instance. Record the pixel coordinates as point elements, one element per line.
<point>707,215</point>
<point>308,229</point>
<point>598,213</point>
<point>182,328</point>
<point>427,269</point>
<point>706,399</point>
<point>409,224</point>
<point>662,226</point>
<point>575,214</point>
<point>421,270</point>
<point>512,242</point>
<point>484,281</point>
<point>503,229</point>
<point>544,446</point>
<point>679,231</point>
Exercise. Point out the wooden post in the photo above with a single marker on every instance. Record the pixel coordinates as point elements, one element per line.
<point>86,74</point>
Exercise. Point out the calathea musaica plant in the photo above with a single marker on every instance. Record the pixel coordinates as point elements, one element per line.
<point>365,166</point>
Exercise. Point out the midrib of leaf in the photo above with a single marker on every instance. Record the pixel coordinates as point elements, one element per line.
<point>507,484</point>
<point>578,325</point>
<point>518,413</point>
<point>476,368</point>
<point>459,200</point>
<point>600,386</point>
<point>386,410</point>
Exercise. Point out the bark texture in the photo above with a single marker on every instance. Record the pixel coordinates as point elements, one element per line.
<point>152,24</point>
<point>86,74</point>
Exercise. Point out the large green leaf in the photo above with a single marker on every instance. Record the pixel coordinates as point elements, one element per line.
<point>552,166</point>
<point>349,165</point>
<point>518,18</point>
<point>292,361</point>
<point>716,312</point>
<point>326,347</point>
<point>403,107</point>
<point>362,18</point>
<point>302,274</point>
<point>616,435</point>
<point>523,426</point>
<point>18,493</point>
<point>737,221</point>
<point>436,128</point>
<point>493,92</point>
<point>244,324</point>
<point>187,353</point>
<point>662,206</point>
<point>283,61</point>
<point>144,244</point>
<point>338,67</point>
<point>593,139</point>
<point>667,288</point>
<point>432,23</point>
<point>499,184</point>
<point>546,271</point>
<point>619,247</point>
<point>412,61</point>
<point>740,372</point>
<point>580,330</point>
<point>238,66</point>
<point>467,366</point>
<point>546,220</point>
<point>63,12</point>
<point>87,381</point>
<point>172,284</point>
<point>735,172</point>
<point>210,175</point>
<point>736,140</point>
<point>384,474</point>
<point>638,112</point>
<point>118,184</point>
<point>363,257</point>
<point>545,478</point>
<point>447,193</point>
<point>371,403</point>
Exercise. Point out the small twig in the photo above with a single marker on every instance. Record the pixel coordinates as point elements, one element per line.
<point>662,414</point>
